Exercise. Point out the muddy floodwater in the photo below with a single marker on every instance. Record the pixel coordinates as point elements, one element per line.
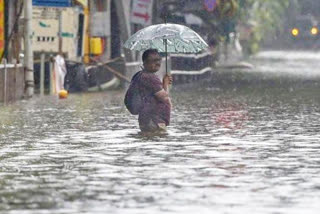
<point>242,142</point>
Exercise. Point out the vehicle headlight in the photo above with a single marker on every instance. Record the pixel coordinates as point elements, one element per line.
<point>295,32</point>
<point>314,31</point>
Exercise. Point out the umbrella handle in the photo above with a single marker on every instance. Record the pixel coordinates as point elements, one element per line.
<point>166,48</point>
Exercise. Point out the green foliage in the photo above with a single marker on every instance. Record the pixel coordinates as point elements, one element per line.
<point>266,17</point>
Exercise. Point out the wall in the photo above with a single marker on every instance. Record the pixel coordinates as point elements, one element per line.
<point>12,83</point>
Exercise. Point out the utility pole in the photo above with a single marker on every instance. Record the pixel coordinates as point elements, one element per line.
<point>60,32</point>
<point>28,52</point>
<point>124,26</point>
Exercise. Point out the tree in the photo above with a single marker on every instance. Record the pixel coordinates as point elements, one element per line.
<point>267,18</point>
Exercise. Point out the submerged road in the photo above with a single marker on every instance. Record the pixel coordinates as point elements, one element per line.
<point>242,142</point>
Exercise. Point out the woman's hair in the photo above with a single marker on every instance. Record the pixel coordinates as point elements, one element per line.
<point>148,52</point>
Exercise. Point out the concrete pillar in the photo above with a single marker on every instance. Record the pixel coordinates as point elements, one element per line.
<point>122,7</point>
<point>28,52</point>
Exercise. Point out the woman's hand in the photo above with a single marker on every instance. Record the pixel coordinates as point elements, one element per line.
<point>167,80</point>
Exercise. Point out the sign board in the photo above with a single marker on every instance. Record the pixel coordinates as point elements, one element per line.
<point>210,5</point>
<point>141,12</point>
<point>45,25</point>
<point>46,12</point>
<point>100,24</point>
<point>2,28</point>
<point>52,3</point>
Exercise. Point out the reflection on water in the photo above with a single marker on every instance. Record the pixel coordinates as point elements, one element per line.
<point>238,150</point>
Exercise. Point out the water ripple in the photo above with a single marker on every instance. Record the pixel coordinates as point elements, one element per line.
<point>243,151</point>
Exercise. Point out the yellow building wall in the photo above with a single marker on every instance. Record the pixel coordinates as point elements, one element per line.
<point>2,27</point>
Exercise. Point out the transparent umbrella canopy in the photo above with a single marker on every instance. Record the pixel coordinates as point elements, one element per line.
<point>166,38</point>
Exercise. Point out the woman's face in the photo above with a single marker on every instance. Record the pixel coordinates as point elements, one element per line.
<point>153,63</point>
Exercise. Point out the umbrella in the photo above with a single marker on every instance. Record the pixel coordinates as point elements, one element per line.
<point>166,38</point>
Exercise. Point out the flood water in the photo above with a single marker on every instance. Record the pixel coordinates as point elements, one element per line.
<point>235,147</point>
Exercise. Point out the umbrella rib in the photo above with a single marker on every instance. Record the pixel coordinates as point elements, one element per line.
<point>179,39</point>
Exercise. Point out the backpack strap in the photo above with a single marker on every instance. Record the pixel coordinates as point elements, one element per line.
<point>136,76</point>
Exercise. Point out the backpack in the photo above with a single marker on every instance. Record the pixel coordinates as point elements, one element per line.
<point>133,99</point>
